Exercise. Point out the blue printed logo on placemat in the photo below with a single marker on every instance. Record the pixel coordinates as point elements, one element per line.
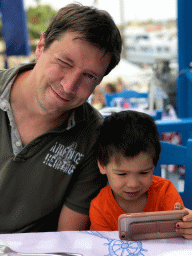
<point>119,247</point>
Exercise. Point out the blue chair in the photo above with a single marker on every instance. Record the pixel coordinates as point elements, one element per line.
<point>157,115</point>
<point>132,94</point>
<point>184,126</point>
<point>178,155</point>
<point>111,99</point>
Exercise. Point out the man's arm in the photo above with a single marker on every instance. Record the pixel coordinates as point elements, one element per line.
<point>70,220</point>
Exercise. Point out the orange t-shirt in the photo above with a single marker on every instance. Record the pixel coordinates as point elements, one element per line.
<point>104,210</point>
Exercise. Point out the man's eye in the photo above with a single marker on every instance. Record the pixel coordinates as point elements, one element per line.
<point>63,63</point>
<point>91,77</point>
<point>121,174</point>
<point>144,173</point>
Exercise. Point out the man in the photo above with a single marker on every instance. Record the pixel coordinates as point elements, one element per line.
<point>48,130</point>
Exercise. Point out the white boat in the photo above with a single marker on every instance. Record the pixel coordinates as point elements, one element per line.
<point>144,46</point>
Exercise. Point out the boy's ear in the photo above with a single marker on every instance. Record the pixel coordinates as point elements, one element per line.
<point>40,46</point>
<point>101,168</point>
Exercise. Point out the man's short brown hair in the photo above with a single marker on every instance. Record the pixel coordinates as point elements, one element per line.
<point>94,25</point>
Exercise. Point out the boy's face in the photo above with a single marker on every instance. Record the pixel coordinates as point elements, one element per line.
<point>130,178</point>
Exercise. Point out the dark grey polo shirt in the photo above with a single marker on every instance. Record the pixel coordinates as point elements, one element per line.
<point>56,168</point>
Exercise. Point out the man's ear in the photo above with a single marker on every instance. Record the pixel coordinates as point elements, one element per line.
<point>40,46</point>
<point>102,168</point>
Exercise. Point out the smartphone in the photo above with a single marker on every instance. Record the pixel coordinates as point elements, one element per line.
<point>149,225</point>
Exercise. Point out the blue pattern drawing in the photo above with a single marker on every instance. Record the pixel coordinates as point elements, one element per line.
<point>120,247</point>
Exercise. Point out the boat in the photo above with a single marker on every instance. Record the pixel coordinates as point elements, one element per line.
<point>145,46</point>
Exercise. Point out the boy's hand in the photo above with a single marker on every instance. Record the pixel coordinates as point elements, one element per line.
<point>185,227</point>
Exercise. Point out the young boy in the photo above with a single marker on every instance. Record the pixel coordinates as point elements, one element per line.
<point>128,150</point>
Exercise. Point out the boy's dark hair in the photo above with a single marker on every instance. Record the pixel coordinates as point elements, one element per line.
<point>127,133</point>
<point>93,25</point>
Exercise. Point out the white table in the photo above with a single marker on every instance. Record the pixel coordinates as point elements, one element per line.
<point>93,243</point>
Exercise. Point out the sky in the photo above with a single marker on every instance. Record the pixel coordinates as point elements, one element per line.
<point>131,9</point>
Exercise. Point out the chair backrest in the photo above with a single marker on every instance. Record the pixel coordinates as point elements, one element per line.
<point>132,94</point>
<point>183,125</point>
<point>111,99</point>
<point>178,155</point>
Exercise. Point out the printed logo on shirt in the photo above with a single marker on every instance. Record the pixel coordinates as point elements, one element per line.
<point>63,158</point>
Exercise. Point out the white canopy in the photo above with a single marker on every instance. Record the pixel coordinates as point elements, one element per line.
<point>125,70</point>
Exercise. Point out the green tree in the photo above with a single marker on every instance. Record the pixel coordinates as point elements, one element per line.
<point>39,18</point>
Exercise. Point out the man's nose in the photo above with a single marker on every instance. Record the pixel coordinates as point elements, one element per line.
<point>70,82</point>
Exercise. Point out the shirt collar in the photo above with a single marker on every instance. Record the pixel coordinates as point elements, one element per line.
<point>4,97</point>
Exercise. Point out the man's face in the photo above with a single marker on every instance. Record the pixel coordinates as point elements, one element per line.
<point>67,73</point>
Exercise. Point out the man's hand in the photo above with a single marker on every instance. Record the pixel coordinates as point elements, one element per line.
<point>184,227</point>
<point>70,220</point>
